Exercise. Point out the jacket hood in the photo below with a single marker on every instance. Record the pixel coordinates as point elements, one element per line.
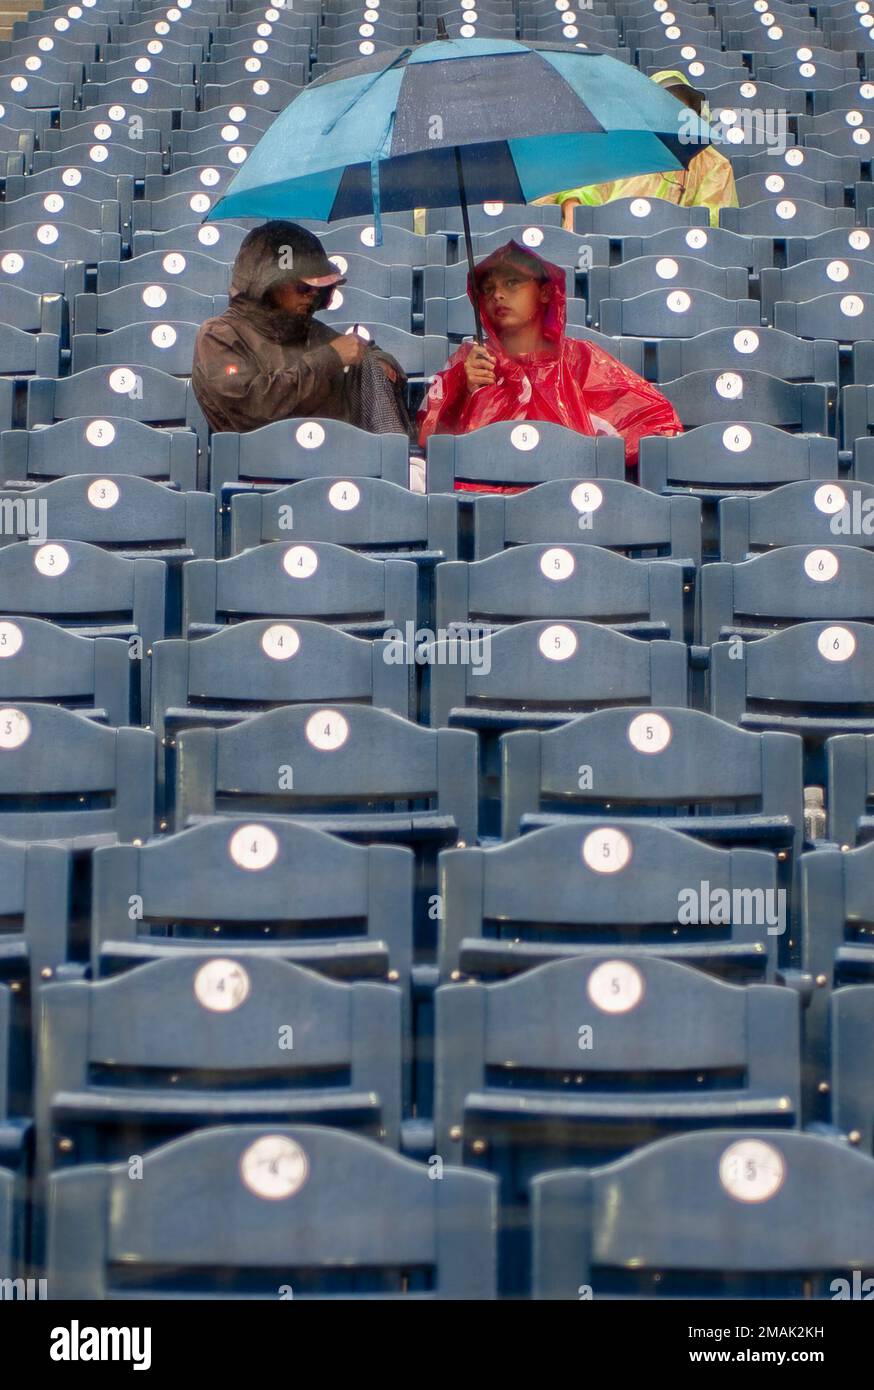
<point>277,253</point>
<point>525,259</point>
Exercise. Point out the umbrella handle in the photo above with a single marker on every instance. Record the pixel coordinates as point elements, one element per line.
<point>465,221</point>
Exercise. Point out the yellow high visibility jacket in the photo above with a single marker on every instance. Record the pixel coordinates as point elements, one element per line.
<point>707,182</point>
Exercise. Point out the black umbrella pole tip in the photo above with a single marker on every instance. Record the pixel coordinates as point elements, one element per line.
<point>441,28</point>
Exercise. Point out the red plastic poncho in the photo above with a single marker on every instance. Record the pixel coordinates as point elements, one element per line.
<point>574,383</point>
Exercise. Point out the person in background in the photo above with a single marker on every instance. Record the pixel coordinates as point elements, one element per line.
<point>707,181</point>
<point>528,369</point>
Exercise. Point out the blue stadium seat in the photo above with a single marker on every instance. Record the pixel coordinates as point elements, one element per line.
<point>89,183</point>
<point>367,1222</point>
<point>133,392</point>
<point>152,93</point>
<point>368,514</point>
<point>608,513</point>
<point>325,1052</point>
<point>805,77</point>
<point>99,446</point>
<point>508,1055</point>
<point>651,273</point>
<point>252,69</point>
<point>420,357</point>
<point>539,451</point>
<point>126,68</point>
<point>35,92</point>
<point>852,96</point>
<point>35,897</point>
<point>101,791</point>
<point>375,277</point>
<point>349,303</point>
<point>843,317</point>
<point>763,1215</point>
<point>206,179</point>
<point>270,93</point>
<point>62,240</point>
<point>261,665</point>
<point>689,770</point>
<point>675,313</point>
<point>799,513</point>
<point>850,777</point>
<point>823,280</point>
<point>566,890</point>
<point>555,244</point>
<point>70,209</point>
<point>753,397</point>
<point>100,313</point>
<point>31,312</point>
<point>784,217</point>
<point>763,349</point>
<point>393,780</point>
<point>221,156</point>
<point>711,244</point>
<point>319,580</point>
<point>48,664</point>
<point>852,1100</point>
<point>193,270</point>
<point>791,584</point>
<point>755,187</point>
<point>846,141</point>
<point>847,245</point>
<point>490,217</point>
<point>400,246</point>
<point>737,95</point>
<point>813,678</point>
<point>636,217</point>
<point>638,597</point>
<point>797,159</point>
<point>272,887</point>
<point>165,346</point>
<point>116,157</point>
<point>219,240</point>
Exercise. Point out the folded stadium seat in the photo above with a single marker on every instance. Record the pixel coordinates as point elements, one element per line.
<point>812,678</point>
<point>130,68</point>
<point>856,244</point>
<point>508,1054</point>
<point>852,1103</point>
<point>219,240</point>
<point>36,901</point>
<point>703,75</point>
<point>538,452</point>
<point>855,141</point>
<point>848,319</point>
<point>765,1215</point>
<point>154,26</point>
<point>798,159</point>
<point>638,597</point>
<point>290,450</point>
<point>135,393</point>
<point>567,889</point>
<point>47,664</point>
<point>138,303</point>
<point>291,27</point>
<point>322,581</point>
<point>857,426</point>
<point>262,664</point>
<point>753,188</point>
<point>168,214</point>
<point>269,93</point>
<point>69,209</point>
<point>60,26</point>
<point>319,1246</point>
<point>376,277</point>
<point>152,93</point>
<point>369,514</point>
<point>554,244</point>
<point>115,157</point>
<point>804,76</point>
<point>270,887</point>
<point>357,771</point>
<point>763,349</point>
<point>675,313</point>
<point>852,96</point>
<point>24,120</point>
<point>713,245</point>
<point>854,119</point>
<point>192,271</point>
<point>329,55</point>
<point>33,91</point>
<point>817,278</point>
<point>636,217</point>
<point>195,124</point>
<point>165,346</point>
<point>295,50</point>
<point>644,273</point>
<point>102,790</point>
<point>489,217</point>
<point>58,46</point>
<point>348,303</point>
<point>86,183</point>
<point>784,217</point>
<point>121,117</point>
<point>33,273</point>
<point>785,586</point>
<point>641,35</point>
<point>803,513</point>
<point>616,515</point>
<point>34,313</point>
<point>736,95</point>
<point>207,179</point>
<point>168,49</point>
<point>346,29</point>
<point>16,1107</point>
<point>703,397</point>
<point>219,1021</point>
<point>102,595</point>
<point>653,54</point>
<point>21,355</point>
<point>148,137</point>
<point>218,155</point>
<point>399,245</point>
<point>687,769</point>
<point>104,448</point>
<point>454,317</point>
<point>226,132</point>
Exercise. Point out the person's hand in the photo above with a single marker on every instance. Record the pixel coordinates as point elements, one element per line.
<point>567,213</point>
<point>479,368</point>
<point>349,348</point>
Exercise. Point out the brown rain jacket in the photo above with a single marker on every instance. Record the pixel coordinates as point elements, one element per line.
<point>245,374</point>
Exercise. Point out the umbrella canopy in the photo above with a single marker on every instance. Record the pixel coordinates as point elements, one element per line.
<point>387,132</point>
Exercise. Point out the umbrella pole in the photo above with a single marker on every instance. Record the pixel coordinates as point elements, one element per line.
<point>468,243</point>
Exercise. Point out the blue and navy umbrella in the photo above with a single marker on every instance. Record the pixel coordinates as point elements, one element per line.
<point>438,123</point>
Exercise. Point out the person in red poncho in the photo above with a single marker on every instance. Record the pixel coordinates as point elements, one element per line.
<point>529,370</point>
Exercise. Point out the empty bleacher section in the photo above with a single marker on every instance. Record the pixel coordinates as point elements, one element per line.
<point>449,781</point>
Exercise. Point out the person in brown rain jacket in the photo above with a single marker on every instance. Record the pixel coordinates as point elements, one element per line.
<point>267,358</point>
